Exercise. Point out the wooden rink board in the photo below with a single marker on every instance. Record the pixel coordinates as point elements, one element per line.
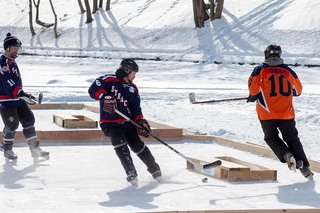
<point>85,130</point>
<point>79,135</point>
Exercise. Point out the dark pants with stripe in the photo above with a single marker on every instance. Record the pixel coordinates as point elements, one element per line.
<point>11,118</point>
<point>121,138</point>
<point>290,141</point>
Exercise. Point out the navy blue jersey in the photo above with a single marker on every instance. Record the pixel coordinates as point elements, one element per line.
<point>127,96</point>
<point>10,83</point>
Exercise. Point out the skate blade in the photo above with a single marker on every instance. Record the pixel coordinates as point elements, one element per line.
<point>293,163</point>
<point>159,179</point>
<point>135,182</point>
<point>11,161</point>
<point>40,159</point>
<point>310,177</point>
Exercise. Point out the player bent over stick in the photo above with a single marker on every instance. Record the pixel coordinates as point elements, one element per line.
<point>117,91</point>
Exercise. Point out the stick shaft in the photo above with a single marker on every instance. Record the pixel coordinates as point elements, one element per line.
<point>193,99</point>
<point>221,100</point>
<point>155,137</point>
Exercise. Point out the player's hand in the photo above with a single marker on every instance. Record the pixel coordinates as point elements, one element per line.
<point>252,98</point>
<point>23,94</point>
<point>109,104</point>
<point>145,130</point>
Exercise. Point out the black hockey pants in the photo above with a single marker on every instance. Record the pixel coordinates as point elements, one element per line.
<point>289,143</point>
<point>11,118</point>
<point>121,138</point>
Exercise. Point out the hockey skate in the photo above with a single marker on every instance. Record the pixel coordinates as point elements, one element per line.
<point>133,180</point>
<point>306,172</point>
<point>37,152</point>
<point>291,161</point>
<point>157,175</point>
<point>299,164</point>
<point>9,155</point>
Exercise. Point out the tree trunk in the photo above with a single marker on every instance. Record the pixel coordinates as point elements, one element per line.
<point>100,3</point>
<point>200,12</point>
<point>212,10</point>
<point>81,7</point>
<point>55,20</point>
<point>108,5</point>
<point>219,9</point>
<point>41,23</point>
<point>95,6</point>
<point>195,16</point>
<point>31,18</point>
<point>89,17</point>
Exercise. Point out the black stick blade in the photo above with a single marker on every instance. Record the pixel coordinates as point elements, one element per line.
<point>192,98</point>
<point>40,97</point>
<point>212,164</point>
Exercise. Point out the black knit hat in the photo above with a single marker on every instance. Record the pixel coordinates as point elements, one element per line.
<point>11,41</point>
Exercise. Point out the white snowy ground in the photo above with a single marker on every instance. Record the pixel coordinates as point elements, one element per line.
<point>89,178</point>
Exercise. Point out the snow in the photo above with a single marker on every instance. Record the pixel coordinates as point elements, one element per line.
<point>89,177</point>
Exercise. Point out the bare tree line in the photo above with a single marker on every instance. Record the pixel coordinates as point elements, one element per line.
<point>200,12</point>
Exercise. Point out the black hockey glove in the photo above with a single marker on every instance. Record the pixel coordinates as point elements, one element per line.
<point>145,130</point>
<point>252,98</point>
<point>23,94</point>
<point>109,104</point>
<point>28,98</point>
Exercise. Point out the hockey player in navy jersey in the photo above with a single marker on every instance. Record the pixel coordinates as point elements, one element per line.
<point>117,91</point>
<point>13,109</point>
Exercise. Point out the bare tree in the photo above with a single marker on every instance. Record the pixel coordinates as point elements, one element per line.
<point>100,3</point>
<point>95,6</point>
<point>88,9</point>
<point>200,13</point>
<point>41,23</point>
<point>216,13</point>
<point>108,5</point>
<point>55,19</point>
<point>219,9</point>
<point>81,7</point>
<point>31,18</point>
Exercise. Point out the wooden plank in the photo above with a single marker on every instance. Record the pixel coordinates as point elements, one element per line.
<point>258,149</point>
<point>74,121</point>
<point>233,169</point>
<point>251,175</point>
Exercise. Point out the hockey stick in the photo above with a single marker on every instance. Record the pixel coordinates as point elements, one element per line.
<point>33,101</point>
<point>192,98</point>
<point>200,167</point>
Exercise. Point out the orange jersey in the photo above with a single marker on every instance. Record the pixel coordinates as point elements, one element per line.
<point>274,87</point>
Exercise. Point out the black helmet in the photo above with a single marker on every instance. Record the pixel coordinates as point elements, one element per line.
<point>11,41</point>
<point>126,67</point>
<point>129,65</point>
<point>272,50</point>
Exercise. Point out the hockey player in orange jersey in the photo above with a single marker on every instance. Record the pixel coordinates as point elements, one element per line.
<point>272,85</point>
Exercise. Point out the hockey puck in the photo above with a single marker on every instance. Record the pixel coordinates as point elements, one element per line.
<point>204,180</point>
